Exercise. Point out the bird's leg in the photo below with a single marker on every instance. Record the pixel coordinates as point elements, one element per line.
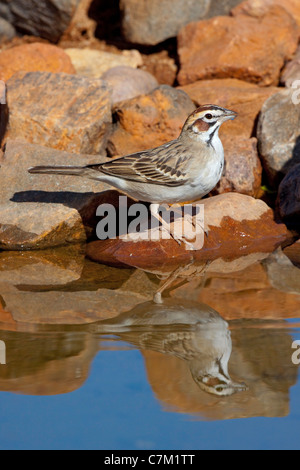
<point>173,276</point>
<point>154,208</point>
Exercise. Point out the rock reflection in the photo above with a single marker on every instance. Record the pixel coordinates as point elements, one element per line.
<point>189,331</point>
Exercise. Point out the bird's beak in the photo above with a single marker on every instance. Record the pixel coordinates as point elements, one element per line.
<point>229,115</point>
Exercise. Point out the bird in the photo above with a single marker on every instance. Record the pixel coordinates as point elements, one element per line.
<point>184,169</point>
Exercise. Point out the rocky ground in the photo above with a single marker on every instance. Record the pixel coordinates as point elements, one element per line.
<point>83,82</point>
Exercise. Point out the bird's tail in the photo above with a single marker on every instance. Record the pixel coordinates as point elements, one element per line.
<point>60,170</point>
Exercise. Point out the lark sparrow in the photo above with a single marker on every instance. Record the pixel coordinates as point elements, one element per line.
<point>185,169</point>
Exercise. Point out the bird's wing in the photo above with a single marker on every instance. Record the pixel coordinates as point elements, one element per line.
<point>163,166</point>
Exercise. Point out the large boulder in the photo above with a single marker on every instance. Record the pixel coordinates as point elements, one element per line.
<point>236,225</point>
<point>245,47</point>
<point>66,112</point>
<point>38,211</point>
<point>278,135</point>
<point>152,22</point>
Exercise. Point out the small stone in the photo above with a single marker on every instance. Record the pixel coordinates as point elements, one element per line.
<point>41,211</point>
<point>7,31</point>
<point>278,135</point>
<point>243,170</point>
<point>161,66</point>
<point>256,8</point>
<point>236,225</point>
<point>245,98</point>
<point>127,83</point>
<point>42,18</point>
<point>93,63</point>
<point>35,57</point>
<point>66,112</point>
<point>236,47</point>
<point>148,121</point>
<point>290,76</point>
<point>288,200</point>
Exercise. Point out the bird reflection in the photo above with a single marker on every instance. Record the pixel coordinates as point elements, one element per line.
<point>191,331</point>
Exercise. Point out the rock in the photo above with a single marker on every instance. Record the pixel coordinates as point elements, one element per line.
<point>35,57</point>
<point>256,8</point>
<point>42,18</point>
<point>291,73</point>
<point>243,170</point>
<point>93,63</point>
<point>62,111</point>
<point>152,23</point>
<point>237,225</point>
<point>39,211</point>
<point>149,120</point>
<point>278,135</point>
<point>283,275</point>
<point>127,83</point>
<point>244,98</point>
<point>7,31</point>
<point>161,66</point>
<point>236,47</point>
<point>288,200</point>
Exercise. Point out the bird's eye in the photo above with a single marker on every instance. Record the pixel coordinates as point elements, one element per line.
<point>208,116</point>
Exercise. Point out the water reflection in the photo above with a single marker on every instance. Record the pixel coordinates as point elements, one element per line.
<point>196,362</point>
<point>192,332</point>
<point>58,311</point>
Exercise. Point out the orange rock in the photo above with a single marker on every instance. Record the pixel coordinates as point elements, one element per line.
<point>245,98</point>
<point>258,7</point>
<point>244,47</point>
<point>35,57</point>
<point>63,111</point>
<point>237,225</point>
<point>150,120</point>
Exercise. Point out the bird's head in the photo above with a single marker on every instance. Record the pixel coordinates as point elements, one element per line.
<point>204,123</point>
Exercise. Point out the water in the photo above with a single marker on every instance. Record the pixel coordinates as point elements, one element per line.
<point>93,363</point>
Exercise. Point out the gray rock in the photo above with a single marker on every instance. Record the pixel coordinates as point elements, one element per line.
<point>288,201</point>
<point>279,135</point>
<point>291,72</point>
<point>127,83</point>
<point>62,111</point>
<point>41,211</point>
<point>152,22</point>
<point>7,31</point>
<point>221,7</point>
<point>44,18</point>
